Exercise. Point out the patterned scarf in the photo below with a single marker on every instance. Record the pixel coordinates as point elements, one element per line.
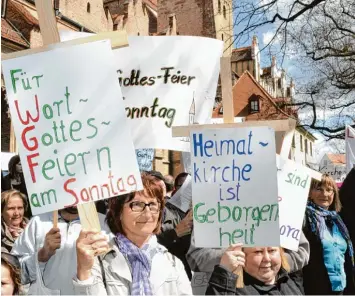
<point>317,217</point>
<point>140,261</point>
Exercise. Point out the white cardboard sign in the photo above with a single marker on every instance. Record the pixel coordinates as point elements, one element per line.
<point>350,148</point>
<point>183,197</point>
<point>166,81</point>
<point>234,186</point>
<point>68,115</point>
<point>294,181</point>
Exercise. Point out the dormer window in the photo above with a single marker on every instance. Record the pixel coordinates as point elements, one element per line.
<point>254,104</point>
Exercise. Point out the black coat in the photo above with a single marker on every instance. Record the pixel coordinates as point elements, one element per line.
<point>315,276</point>
<point>222,282</point>
<point>177,246</point>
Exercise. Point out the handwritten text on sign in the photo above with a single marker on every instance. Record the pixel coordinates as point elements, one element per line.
<point>294,181</point>
<point>234,187</point>
<point>71,126</point>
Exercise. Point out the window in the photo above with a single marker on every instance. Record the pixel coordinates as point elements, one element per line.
<point>301,141</point>
<point>222,37</point>
<point>88,7</point>
<point>115,26</point>
<point>171,22</point>
<point>138,34</point>
<point>224,11</point>
<point>254,104</point>
<point>310,148</point>
<point>293,142</point>
<point>219,6</point>
<point>306,146</point>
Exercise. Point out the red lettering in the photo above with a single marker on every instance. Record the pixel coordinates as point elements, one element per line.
<point>71,180</point>
<point>28,115</point>
<point>33,139</point>
<point>31,165</point>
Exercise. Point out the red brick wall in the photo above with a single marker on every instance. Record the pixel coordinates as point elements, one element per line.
<point>189,16</point>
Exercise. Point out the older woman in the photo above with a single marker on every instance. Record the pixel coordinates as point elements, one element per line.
<point>331,266</point>
<point>10,275</point>
<point>265,273</point>
<point>136,264</point>
<point>13,222</point>
<point>16,180</point>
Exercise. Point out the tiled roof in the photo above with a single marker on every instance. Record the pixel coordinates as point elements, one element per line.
<point>23,11</point>
<point>337,158</point>
<point>7,32</point>
<point>241,54</point>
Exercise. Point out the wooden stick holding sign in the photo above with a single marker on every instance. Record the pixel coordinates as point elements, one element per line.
<point>219,157</point>
<point>37,99</point>
<point>228,117</point>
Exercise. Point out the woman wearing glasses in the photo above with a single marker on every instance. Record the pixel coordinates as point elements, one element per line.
<point>330,270</point>
<point>136,264</point>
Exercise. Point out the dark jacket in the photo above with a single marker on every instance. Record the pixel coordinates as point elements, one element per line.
<point>177,246</point>
<point>315,276</point>
<point>347,199</point>
<point>222,282</point>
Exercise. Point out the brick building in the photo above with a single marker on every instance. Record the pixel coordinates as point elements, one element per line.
<point>208,18</point>
<point>137,17</point>
<point>20,30</point>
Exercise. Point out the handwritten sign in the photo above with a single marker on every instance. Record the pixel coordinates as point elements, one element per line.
<point>145,159</point>
<point>68,115</point>
<point>234,186</point>
<point>294,181</point>
<point>183,197</point>
<point>166,81</point>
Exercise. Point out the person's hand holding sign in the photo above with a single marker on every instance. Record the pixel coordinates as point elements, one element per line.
<point>185,225</point>
<point>233,257</point>
<point>89,244</point>
<point>51,244</point>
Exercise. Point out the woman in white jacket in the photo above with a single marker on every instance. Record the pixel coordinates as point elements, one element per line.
<point>136,264</point>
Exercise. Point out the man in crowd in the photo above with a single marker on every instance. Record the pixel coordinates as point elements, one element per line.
<point>53,249</point>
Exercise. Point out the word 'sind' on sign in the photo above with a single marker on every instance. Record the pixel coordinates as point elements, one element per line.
<point>294,181</point>
<point>71,146</point>
<point>234,187</point>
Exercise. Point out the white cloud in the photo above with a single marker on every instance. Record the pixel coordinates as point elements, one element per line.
<point>267,37</point>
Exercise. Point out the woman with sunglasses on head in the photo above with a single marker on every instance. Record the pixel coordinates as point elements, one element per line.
<point>136,264</point>
<point>330,270</point>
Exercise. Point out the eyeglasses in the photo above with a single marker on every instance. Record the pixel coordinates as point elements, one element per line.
<point>139,206</point>
<point>325,190</point>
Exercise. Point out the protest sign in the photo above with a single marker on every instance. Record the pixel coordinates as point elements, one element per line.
<point>68,114</point>
<point>234,187</point>
<point>183,197</point>
<point>166,81</point>
<point>294,181</point>
<point>350,148</point>
<point>145,159</point>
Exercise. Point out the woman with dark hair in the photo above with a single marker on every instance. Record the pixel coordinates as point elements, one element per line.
<point>13,221</point>
<point>16,180</point>
<point>10,275</point>
<point>136,263</point>
<point>330,270</point>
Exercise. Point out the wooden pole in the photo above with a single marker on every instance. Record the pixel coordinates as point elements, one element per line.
<point>50,35</point>
<point>228,117</point>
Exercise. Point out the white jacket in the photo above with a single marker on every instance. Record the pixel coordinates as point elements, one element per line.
<point>168,276</point>
<point>60,269</point>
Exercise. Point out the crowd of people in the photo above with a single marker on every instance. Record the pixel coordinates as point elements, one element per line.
<point>146,246</point>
